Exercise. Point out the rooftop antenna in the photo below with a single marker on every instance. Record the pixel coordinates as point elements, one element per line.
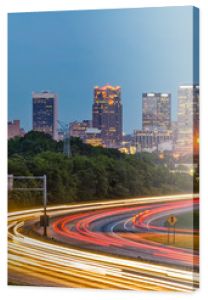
<point>66,140</point>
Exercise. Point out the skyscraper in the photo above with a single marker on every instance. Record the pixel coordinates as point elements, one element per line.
<point>107,114</point>
<point>45,113</point>
<point>188,120</point>
<point>156,111</point>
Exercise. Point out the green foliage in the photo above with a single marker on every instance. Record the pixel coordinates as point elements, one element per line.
<point>79,148</point>
<point>33,143</point>
<point>91,173</point>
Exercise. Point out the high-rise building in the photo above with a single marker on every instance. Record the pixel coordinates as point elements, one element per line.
<point>45,113</point>
<point>188,120</point>
<point>156,111</point>
<point>14,129</point>
<point>107,114</point>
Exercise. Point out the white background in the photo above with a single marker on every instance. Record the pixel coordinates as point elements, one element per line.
<point>54,293</point>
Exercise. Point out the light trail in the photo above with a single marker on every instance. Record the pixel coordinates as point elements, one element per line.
<point>65,266</point>
<point>82,232</point>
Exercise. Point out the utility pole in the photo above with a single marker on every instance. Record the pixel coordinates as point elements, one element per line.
<point>45,204</point>
<point>66,140</point>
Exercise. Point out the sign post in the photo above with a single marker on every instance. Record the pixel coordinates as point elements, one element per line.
<point>172,220</point>
<point>10,182</point>
<point>44,219</point>
<point>45,203</point>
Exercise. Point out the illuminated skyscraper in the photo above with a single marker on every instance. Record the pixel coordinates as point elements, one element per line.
<point>107,114</point>
<point>188,120</point>
<point>45,113</point>
<point>156,111</point>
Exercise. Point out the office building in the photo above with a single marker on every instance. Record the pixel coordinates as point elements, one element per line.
<point>187,142</point>
<point>107,114</point>
<point>14,129</point>
<point>78,129</point>
<point>156,111</point>
<point>151,141</point>
<point>93,137</point>
<point>45,113</point>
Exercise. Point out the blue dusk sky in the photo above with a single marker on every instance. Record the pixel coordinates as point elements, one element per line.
<point>70,52</point>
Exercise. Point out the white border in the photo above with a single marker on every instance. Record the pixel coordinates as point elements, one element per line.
<point>52,5</point>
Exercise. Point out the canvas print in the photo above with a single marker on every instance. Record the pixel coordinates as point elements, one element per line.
<point>103,149</point>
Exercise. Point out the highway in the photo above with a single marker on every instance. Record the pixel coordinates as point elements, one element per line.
<point>96,245</point>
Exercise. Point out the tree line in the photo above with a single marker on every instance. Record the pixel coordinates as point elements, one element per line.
<point>90,173</point>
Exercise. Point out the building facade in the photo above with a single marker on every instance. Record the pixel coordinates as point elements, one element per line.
<point>78,129</point>
<point>14,129</point>
<point>45,113</point>
<point>107,115</point>
<point>156,111</point>
<point>187,142</point>
<point>93,137</point>
<point>151,141</point>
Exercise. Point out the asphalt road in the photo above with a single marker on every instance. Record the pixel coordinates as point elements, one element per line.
<point>108,231</point>
<point>97,245</point>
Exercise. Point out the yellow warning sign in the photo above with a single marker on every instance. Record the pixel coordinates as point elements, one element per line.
<point>172,220</point>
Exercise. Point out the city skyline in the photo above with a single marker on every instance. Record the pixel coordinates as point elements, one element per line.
<point>104,128</point>
<point>72,67</point>
<point>158,103</point>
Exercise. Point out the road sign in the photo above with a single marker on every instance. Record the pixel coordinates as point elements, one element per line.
<point>44,220</point>
<point>172,220</point>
